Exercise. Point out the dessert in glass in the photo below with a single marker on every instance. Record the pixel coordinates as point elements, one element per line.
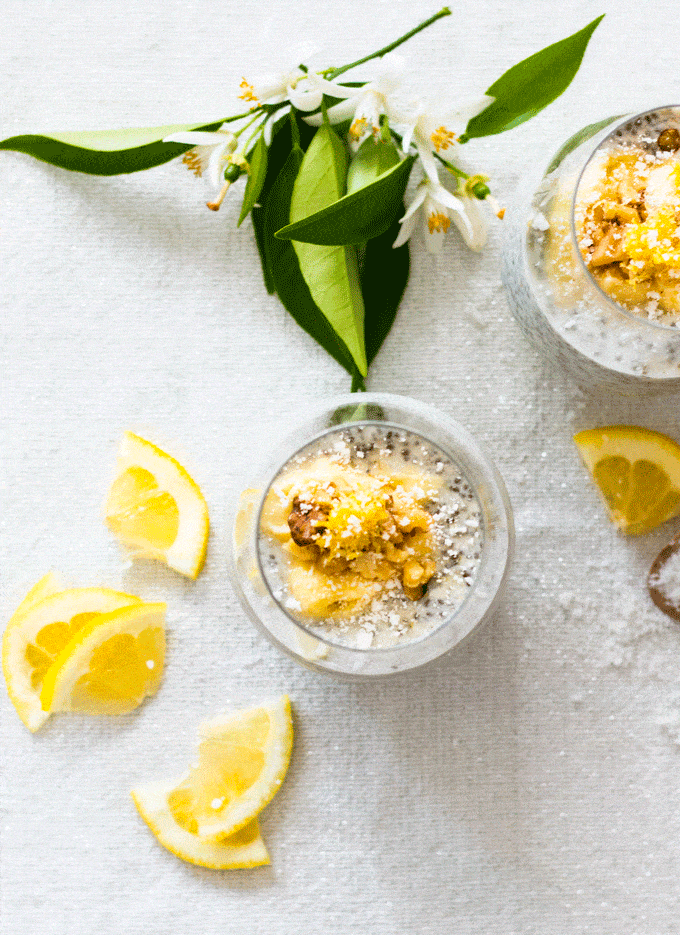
<point>592,267</point>
<point>376,539</point>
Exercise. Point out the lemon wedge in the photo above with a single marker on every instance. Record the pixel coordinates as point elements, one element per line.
<point>39,630</point>
<point>243,849</point>
<point>242,761</point>
<point>111,663</point>
<point>155,509</point>
<point>638,474</point>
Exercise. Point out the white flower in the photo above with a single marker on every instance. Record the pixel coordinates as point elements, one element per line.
<point>439,207</point>
<point>304,90</point>
<point>435,134</point>
<point>210,153</point>
<point>365,104</point>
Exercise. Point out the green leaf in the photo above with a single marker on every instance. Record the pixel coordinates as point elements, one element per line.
<point>528,87</point>
<point>384,274</point>
<point>373,158</point>
<point>279,151</point>
<point>106,152</point>
<point>282,261</point>
<point>331,272</point>
<point>357,217</point>
<point>256,177</point>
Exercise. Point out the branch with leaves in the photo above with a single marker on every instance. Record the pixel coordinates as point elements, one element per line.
<point>327,164</point>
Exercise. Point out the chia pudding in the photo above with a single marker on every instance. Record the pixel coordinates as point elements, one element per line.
<point>370,536</point>
<point>593,272</point>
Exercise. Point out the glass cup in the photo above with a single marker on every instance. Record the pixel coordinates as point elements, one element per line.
<point>397,413</point>
<point>555,299</point>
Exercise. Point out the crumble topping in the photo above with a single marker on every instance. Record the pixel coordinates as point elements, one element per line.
<point>371,536</point>
<point>627,217</point>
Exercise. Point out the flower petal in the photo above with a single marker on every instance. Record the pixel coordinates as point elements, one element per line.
<point>447,198</point>
<point>271,88</point>
<point>420,196</point>
<point>304,95</point>
<point>408,224</point>
<point>472,224</point>
<point>427,159</point>
<point>216,166</point>
<point>336,114</point>
<point>434,240</point>
<point>334,90</point>
<point>407,137</point>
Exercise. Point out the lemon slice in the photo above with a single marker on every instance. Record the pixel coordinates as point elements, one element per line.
<point>110,665</point>
<point>155,509</point>
<point>39,630</point>
<point>242,761</point>
<point>244,848</point>
<point>637,472</point>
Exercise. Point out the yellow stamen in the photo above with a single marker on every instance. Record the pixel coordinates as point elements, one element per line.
<point>192,161</point>
<point>215,205</point>
<point>248,92</point>
<point>438,222</point>
<point>358,128</point>
<point>442,138</point>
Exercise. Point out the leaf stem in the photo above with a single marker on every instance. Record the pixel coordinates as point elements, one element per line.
<point>454,170</point>
<point>445,11</point>
<point>245,126</point>
<point>255,132</point>
<point>358,386</point>
<point>294,130</point>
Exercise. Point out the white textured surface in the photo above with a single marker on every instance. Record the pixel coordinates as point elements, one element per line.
<point>526,786</point>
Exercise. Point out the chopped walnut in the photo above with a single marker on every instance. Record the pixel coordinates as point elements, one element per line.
<point>306,522</point>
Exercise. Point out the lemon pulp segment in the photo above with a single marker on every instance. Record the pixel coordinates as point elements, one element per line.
<point>110,665</point>
<point>637,472</point>
<point>140,514</point>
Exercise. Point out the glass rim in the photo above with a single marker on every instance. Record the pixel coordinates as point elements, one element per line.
<point>612,303</point>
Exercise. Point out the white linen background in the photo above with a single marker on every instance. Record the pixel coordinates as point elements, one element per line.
<point>527,784</point>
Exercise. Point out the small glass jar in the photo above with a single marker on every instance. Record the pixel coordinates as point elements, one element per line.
<point>371,412</point>
<point>558,302</point>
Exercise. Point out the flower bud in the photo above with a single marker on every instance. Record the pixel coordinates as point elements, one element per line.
<point>481,190</point>
<point>232,172</point>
